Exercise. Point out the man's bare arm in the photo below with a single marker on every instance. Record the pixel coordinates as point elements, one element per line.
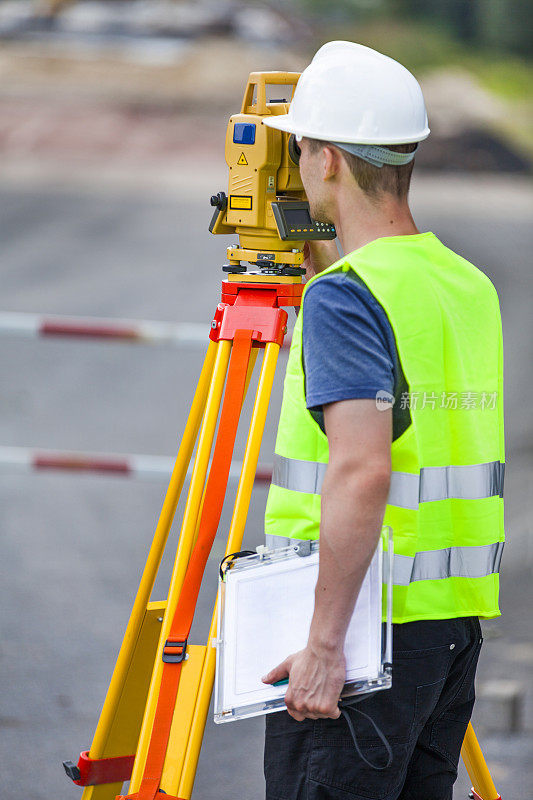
<point>354,496</point>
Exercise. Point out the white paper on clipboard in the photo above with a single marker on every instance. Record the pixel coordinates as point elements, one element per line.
<point>265,615</point>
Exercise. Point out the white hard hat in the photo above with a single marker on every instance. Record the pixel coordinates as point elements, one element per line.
<point>353,94</point>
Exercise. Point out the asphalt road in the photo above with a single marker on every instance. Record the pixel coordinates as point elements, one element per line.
<point>72,547</point>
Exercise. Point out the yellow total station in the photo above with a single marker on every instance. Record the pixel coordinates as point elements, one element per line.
<point>266,205</point>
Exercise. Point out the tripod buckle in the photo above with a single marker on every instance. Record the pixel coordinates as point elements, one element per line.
<point>174,651</point>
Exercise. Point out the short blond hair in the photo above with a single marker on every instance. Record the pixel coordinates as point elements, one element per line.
<point>375,181</point>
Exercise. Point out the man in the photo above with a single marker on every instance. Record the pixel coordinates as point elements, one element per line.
<point>399,317</point>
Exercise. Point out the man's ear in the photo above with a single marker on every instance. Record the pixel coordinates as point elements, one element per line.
<point>330,162</point>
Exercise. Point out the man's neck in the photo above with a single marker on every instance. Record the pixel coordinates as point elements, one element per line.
<point>359,221</point>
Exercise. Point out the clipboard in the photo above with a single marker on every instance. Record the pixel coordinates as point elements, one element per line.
<point>265,607</point>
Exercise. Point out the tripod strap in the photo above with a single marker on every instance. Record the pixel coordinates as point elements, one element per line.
<point>176,644</point>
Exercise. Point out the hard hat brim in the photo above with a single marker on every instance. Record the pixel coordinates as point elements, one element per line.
<point>283,122</point>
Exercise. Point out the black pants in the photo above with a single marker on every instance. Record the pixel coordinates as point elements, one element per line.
<point>424,716</point>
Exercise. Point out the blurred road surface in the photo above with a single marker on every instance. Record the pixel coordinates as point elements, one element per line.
<point>73,547</point>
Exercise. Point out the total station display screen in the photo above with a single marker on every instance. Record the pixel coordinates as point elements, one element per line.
<point>294,222</point>
<point>298,217</point>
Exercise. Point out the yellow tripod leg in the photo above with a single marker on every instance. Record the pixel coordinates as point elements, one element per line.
<point>186,539</point>
<point>235,536</point>
<point>109,737</point>
<point>476,767</point>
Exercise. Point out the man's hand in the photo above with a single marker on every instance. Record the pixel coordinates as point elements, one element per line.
<point>315,683</point>
<point>318,256</point>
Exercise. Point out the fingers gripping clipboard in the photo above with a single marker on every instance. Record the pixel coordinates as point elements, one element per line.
<point>265,607</point>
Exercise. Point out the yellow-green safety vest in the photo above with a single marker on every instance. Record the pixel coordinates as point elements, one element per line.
<point>445,504</point>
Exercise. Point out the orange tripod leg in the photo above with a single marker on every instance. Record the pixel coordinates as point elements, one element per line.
<point>235,536</point>
<point>185,543</point>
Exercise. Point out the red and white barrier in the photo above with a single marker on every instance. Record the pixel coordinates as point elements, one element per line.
<point>25,459</point>
<point>136,332</point>
<point>141,332</point>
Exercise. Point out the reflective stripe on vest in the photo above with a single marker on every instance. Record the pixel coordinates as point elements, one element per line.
<point>407,490</point>
<point>432,565</point>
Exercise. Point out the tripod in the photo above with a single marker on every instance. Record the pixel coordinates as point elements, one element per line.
<point>152,722</point>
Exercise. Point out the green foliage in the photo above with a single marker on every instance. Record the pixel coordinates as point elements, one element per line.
<point>510,78</point>
<point>423,48</point>
<point>503,25</point>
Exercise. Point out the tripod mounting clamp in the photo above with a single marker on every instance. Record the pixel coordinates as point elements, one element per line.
<point>254,306</point>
